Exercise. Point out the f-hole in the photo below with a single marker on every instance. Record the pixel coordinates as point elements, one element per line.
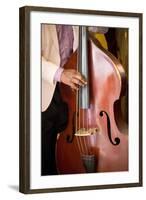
<point>116,140</point>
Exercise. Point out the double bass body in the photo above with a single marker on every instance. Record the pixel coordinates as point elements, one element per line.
<point>103,147</point>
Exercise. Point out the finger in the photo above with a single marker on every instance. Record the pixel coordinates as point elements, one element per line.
<point>77,81</point>
<point>79,77</point>
<point>73,90</point>
<point>74,86</point>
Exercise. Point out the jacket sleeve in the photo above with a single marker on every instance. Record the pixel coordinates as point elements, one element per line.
<point>48,71</point>
<point>49,67</point>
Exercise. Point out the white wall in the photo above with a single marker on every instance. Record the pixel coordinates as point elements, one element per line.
<point>9,100</point>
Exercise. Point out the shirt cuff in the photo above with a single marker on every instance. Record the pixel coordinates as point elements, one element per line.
<point>57,75</point>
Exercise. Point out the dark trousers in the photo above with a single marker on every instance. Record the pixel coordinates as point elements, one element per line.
<point>54,120</point>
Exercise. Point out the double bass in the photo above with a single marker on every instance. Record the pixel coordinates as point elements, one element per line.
<point>96,137</point>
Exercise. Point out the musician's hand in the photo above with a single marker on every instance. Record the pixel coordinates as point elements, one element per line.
<point>72,78</point>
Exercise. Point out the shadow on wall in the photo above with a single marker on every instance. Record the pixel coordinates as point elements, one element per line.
<point>14,187</point>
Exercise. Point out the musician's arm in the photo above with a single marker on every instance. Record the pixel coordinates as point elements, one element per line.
<point>48,71</point>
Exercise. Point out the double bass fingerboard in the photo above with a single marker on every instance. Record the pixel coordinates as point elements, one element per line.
<point>83,67</point>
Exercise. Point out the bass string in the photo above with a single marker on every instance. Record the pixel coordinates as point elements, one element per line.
<point>79,143</point>
<point>84,129</point>
<point>87,125</point>
<point>80,139</point>
<point>84,110</point>
<point>81,126</point>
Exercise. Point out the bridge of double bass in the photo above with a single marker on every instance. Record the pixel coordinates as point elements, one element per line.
<point>86,132</point>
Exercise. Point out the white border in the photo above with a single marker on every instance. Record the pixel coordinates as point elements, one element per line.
<point>132,176</point>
